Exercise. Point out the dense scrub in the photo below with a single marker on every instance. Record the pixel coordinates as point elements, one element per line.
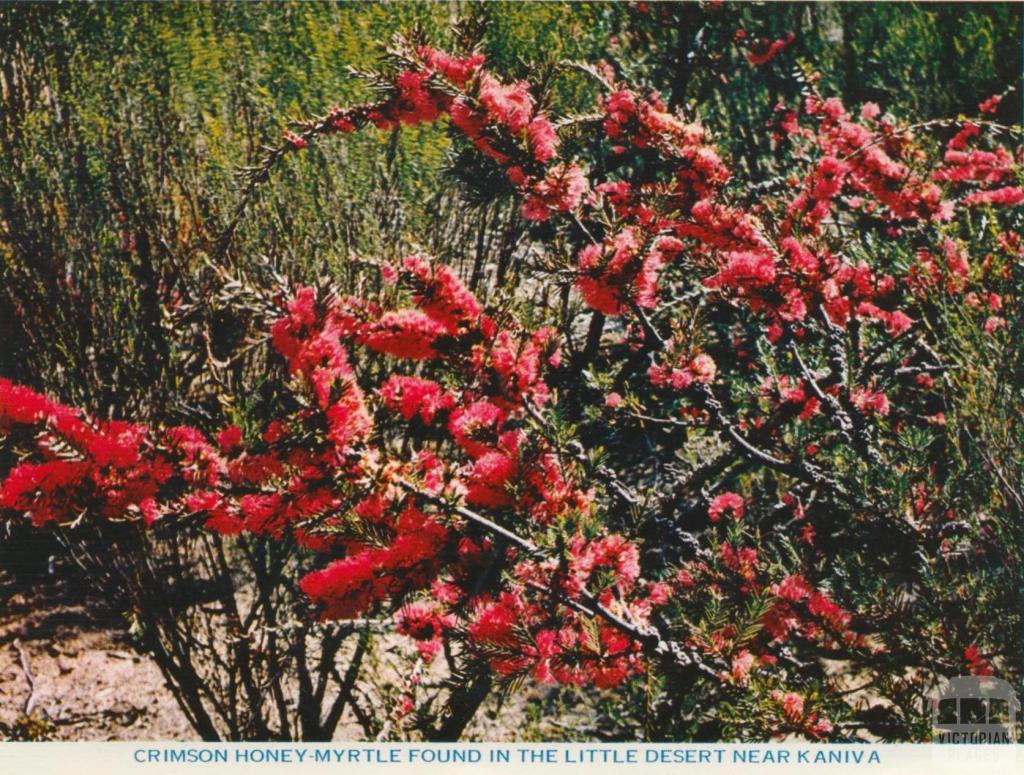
<point>682,367</point>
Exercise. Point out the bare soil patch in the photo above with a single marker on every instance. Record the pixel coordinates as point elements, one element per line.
<point>67,651</point>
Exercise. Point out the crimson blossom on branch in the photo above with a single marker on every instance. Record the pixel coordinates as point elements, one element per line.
<point>751,357</point>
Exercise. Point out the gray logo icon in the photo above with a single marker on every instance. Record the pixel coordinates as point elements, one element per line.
<point>975,709</point>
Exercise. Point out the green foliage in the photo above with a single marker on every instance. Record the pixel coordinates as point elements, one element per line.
<point>124,125</point>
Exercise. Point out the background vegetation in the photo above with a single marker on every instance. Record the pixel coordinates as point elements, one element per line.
<point>123,127</point>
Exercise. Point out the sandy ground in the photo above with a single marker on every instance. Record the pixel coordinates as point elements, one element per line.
<point>89,684</point>
<point>67,660</point>
<point>69,671</point>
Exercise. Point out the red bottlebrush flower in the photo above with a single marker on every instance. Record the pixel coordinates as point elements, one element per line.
<point>743,562</point>
<point>717,226</point>
<point>229,438</point>
<point>28,478</point>
<point>255,469</point>
<point>23,406</point>
<point>467,120</point>
<point>488,480</point>
<point>764,50</point>
<point>779,621</point>
<point>295,141</point>
<point>991,105</point>
<point>869,401</point>
<point>925,381</point>
<point>792,705</point>
<point>310,341</point>
<point>561,191</point>
<point>976,664</point>
<point>742,664</point>
<point>430,471</point>
<point>820,728</point>
<point>196,453</point>
<point>611,674</point>
<point>596,292</point>
<point>613,553</point>
<point>458,70</point>
<point>551,493</point>
<point>685,579</point>
<point>794,394</point>
<point>345,586</point>
<point>792,588</point>
<point>475,428</point>
<point>833,109</point>
<point>869,111</point>
<point>223,521</point>
<point>416,102</point>
<point>543,140</point>
<point>519,364</point>
<point>405,334</point>
<point>993,323</point>
<point>202,500</point>
<point>820,188</point>
<point>959,141</point>
<point>896,322</point>
<point>617,274</point>
<point>351,586</point>
<point>962,166</point>
<point>263,513</point>
<point>403,707</point>
<point>827,179</point>
<point>440,293</point>
<point>426,624</point>
<point>117,444</point>
<point>743,271</point>
<point>808,534</point>
<point>495,622</point>
<point>822,606</point>
<point>150,511</point>
<point>790,123</point>
<point>645,285</point>
<point>412,396</point>
<point>701,369</point>
<point>302,307</point>
<point>275,431</point>
<point>1004,197</point>
<point>219,518</point>
<point>620,107</point>
<point>347,419</point>
<point>726,502</point>
<point>343,123</point>
<point>509,105</point>
<point>810,408</point>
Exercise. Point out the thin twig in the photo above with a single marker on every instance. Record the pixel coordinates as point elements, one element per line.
<point>26,669</point>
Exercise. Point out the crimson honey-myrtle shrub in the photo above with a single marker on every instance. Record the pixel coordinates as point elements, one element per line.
<point>698,475</point>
